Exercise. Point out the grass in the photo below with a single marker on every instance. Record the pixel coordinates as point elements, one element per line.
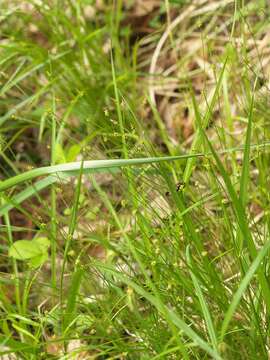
<point>134,154</point>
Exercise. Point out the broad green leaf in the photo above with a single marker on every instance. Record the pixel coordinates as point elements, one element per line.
<point>35,251</point>
<point>73,152</point>
<point>59,154</point>
<point>43,243</point>
<point>25,249</point>
<point>37,261</point>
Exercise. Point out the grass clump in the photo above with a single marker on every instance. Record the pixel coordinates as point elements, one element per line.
<point>134,189</point>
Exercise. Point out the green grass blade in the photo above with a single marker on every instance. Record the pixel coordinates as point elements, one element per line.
<point>62,174</point>
<point>181,325</point>
<point>245,169</point>
<point>53,210</point>
<point>198,138</point>
<point>203,303</point>
<point>71,229</point>
<point>91,166</point>
<point>72,296</point>
<point>241,217</point>
<point>31,190</point>
<point>119,111</point>
<point>242,288</point>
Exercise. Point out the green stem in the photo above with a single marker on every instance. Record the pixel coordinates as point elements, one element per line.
<point>53,200</point>
<point>14,265</point>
